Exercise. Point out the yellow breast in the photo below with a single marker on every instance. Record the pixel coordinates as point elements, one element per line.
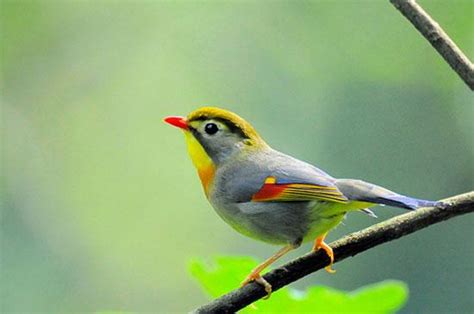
<point>201,161</point>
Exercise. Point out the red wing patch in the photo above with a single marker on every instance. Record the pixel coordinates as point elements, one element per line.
<point>272,191</point>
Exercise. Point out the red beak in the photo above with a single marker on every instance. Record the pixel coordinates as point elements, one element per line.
<point>179,122</point>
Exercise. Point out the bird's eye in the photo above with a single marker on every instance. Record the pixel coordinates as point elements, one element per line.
<point>211,128</point>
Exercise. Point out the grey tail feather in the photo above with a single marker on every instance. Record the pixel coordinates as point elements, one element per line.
<point>367,192</point>
<point>403,202</point>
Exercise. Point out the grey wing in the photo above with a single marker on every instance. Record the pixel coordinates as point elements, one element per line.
<point>239,181</point>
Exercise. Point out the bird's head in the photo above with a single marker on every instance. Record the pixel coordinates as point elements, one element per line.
<point>216,134</point>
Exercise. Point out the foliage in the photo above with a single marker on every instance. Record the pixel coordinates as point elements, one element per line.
<point>226,273</point>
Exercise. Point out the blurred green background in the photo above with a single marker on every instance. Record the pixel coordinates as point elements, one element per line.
<point>101,207</point>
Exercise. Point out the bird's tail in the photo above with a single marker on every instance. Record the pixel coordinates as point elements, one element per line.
<point>404,202</point>
<point>358,190</point>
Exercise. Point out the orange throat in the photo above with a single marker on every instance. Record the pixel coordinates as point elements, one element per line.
<point>201,160</point>
<point>206,174</point>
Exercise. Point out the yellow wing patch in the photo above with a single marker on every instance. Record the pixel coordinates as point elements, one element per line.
<point>293,192</point>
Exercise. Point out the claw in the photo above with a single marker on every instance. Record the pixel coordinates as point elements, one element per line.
<point>261,281</point>
<point>320,244</point>
<point>266,286</point>
<point>255,274</point>
<point>329,269</point>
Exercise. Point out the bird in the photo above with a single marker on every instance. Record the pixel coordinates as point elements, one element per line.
<point>268,195</point>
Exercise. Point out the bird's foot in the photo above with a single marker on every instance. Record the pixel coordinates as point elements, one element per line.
<point>329,269</point>
<point>320,244</point>
<point>260,280</point>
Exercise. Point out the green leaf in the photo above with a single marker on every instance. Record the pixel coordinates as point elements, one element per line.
<point>227,273</point>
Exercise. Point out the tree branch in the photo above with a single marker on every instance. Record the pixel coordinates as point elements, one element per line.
<point>438,39</point>
<point>350,245</point>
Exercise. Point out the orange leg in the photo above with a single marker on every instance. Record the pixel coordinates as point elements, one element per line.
<point>255,274</point>
<point>320,244</point>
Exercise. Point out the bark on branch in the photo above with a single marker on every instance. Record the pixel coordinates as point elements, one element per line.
<point>438,39</point>
<point>350,245</point>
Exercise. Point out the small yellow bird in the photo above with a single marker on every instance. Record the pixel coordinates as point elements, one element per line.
<point>267,195</point>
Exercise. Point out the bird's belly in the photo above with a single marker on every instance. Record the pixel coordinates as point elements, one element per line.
<point>271,222</point>
<point>327,215</point>
<point>321,225</point>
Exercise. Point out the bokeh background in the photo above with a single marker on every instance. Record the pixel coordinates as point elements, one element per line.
<point>101,208</point>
